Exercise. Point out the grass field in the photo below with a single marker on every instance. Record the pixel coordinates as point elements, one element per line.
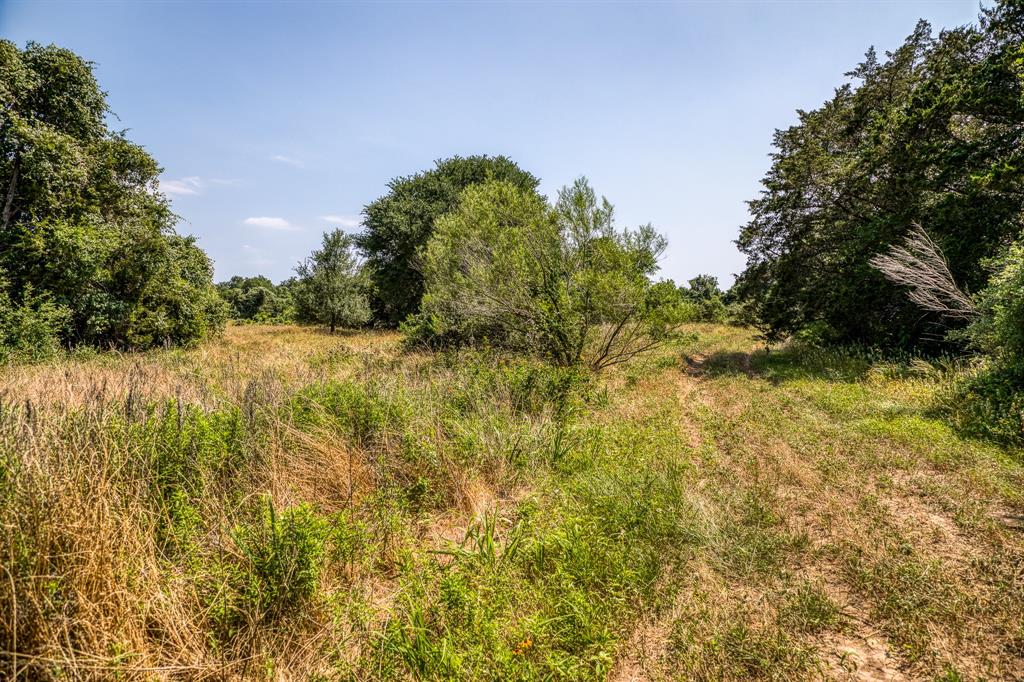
<point>286,504</point>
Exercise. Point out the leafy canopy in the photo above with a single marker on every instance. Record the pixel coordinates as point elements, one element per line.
<point>330,287</point>
<point>257,299</point>
<point>398,225</point>
<point>932,133</point>
<point>84,229</point>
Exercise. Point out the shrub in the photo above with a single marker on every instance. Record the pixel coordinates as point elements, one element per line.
<point>29,331</point>
<point>989,402</point>
<point>285,553</point>
<point>274,572</point>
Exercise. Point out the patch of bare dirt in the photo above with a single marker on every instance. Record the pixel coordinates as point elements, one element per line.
<point>860,656</point>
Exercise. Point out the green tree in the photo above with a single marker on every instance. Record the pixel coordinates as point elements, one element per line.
<point>703,288</point>
<point>398,225</point>
<point>83,224</point>
<point>256,299</point>
<point>704,292</point>
<point>561,281</point>
<point>331,287</point>
<point>933,134</point>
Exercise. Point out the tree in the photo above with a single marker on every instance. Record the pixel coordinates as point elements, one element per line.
<point>704,292</point>
<point>703,288</point>
<point>257,299</point>
<point>331,288</point>
<point>398,225</point>
<point>561,280</point>
<point>931,133</point>
<point>83,226</point>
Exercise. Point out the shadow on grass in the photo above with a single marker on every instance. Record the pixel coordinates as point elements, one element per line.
<point>971,419</point>
<point>337,333</point>
<point>788,364</point>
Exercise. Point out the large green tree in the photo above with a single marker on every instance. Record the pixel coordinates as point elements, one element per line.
<point>398,225</point>
<point>933,133</point>
<point>83,226</point>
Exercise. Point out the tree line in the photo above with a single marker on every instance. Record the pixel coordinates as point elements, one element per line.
<point>469,252</point>
<point>465,252</point>
<point>892,215</point>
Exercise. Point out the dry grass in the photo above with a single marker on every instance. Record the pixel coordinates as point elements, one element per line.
<point>709,513</point>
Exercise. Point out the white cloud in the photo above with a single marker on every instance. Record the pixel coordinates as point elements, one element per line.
<point>189,185</point>
<point>270,223</point>
<point>288,160</point>
<point>349,222</point>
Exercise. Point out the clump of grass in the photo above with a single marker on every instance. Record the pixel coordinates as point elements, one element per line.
<point>756,541</point>
<point>807,608</point>
<point>716,643</point>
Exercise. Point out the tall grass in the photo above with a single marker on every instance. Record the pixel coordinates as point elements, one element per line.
<point>383,518</point>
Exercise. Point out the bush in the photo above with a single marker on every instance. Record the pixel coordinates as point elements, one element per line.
<point>990,401</point>
<point>285,554</point>
<point>31,330</point>
<point>999,330</point>
<point>274,572</point>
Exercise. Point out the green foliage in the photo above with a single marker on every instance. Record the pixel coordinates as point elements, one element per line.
<point>989,401</point>
<point>363,413</point>
<point>178,304</point>
<point>275,569</point>
<point>29,331</point>
<point>399,224</point>
<point>83,223</point>
<point>284,553</point>
<point>708,299</point>
<point>546,594</point>
<point>930,134</point>
<point>256,299</point>
<point>999,331</point>
<point>508,269</point>
<point>330,288</point>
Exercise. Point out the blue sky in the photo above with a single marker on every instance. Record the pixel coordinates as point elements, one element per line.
<point>274,121</point>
